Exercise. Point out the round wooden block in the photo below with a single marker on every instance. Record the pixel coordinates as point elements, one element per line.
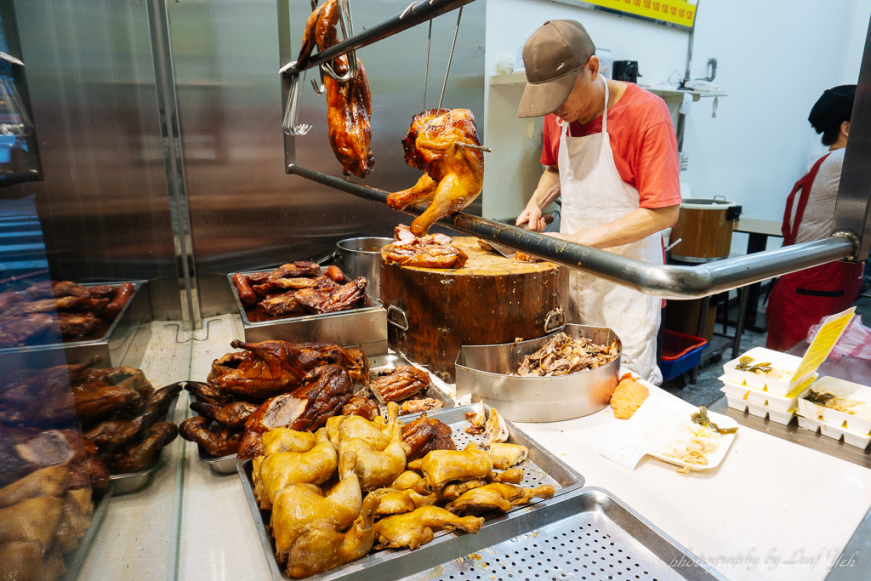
<point>492,299</point>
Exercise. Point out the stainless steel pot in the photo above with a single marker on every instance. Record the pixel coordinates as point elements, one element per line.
<point>362,257</point>
<point>484,371</point>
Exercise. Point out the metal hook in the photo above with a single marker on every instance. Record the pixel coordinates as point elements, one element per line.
<point>408,9</point>
<point>473,146</point>
<point>348,32</point>
<point>352,70</point>
<point>450,57</point>
<point>291,112</point>
<point>319,89</point>
<point>426,68</point>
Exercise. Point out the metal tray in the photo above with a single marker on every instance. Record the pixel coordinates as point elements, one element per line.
<point>364,327</point>
<point>100,497</point>
<point>133,481</point>
<point>124,342</point>
<point>587,534</point>
<point>541,468</point>
<point>484,372</point>
<point>219,464</point>
<point>227,464</point>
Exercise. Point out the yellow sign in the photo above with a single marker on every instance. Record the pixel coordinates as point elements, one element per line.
<point>824,342</point>
<point>680,12</point>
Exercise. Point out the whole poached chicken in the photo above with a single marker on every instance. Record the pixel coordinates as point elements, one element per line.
<point>349,104</point>
<point>454,175</point>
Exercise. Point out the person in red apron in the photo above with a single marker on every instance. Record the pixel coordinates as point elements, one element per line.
<point>799,300</point>
<point>610,153</point>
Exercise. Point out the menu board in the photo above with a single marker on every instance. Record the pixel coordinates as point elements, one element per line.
<point>680,13</point>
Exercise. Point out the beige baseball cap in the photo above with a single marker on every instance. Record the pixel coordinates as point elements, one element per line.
<point>554,56</point>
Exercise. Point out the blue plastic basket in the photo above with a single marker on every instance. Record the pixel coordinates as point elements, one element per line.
<point>680,353</point>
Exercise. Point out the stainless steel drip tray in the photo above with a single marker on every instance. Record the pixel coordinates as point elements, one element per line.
<point>586,534</point>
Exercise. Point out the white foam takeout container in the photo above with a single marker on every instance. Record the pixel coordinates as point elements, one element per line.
<point>777,408</point>
<point>758,398</point>
<point>834,432</point>
<point>760,411</point>
<point>778,360</point>
<point>859,421</point>
<point>660,420</point>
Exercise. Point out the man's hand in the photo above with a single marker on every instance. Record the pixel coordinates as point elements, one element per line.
<point>532,217</point>
<point>546,192</point>
<point>634,226</point>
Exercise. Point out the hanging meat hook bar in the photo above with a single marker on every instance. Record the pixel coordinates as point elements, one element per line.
<point>674,282</point>
<point>412,16</point>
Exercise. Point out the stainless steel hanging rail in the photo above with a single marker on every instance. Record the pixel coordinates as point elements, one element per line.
<point>674,282</point>
<point>416,14</point>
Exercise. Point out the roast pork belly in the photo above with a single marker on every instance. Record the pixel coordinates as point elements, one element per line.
<point>404,382</point>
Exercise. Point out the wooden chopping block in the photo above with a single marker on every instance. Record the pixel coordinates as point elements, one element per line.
<point>492,299</point>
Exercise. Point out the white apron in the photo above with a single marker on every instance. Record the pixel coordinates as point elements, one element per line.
<point>593,194</point>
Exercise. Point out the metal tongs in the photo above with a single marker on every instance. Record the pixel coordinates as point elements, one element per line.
<point>291,111</point>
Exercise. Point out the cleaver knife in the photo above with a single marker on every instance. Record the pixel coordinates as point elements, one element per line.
<point>509,252</point>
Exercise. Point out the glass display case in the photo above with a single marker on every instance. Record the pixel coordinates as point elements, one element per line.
<point>19,153</point>
<point>158,173</point>
<point>93,346</point>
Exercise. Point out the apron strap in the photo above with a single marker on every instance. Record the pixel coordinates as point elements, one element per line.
<point>790,230</point>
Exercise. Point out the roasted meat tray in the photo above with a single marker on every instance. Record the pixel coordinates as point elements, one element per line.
<point>541,468</point>
<point>364,326</point>
<point>133,481</point>
<point>120,342</point>
<point>377,365</point>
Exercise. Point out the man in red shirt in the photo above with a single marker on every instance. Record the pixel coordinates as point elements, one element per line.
<point>610,153</point>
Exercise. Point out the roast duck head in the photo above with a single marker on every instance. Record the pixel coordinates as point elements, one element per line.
<point>271,368</point>
<point>306,409</point>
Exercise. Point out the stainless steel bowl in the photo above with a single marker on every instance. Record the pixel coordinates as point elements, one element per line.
<point>362,257</point>
<point>484,371</point>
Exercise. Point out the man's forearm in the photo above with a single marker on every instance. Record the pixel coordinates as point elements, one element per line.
<point>634,226</point>
<point>548,188</point>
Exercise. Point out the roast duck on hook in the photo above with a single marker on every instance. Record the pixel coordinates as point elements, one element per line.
<point>349,104</point>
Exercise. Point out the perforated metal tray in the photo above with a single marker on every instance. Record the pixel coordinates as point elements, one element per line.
<point>541,468</point>
<point>227,464</point>
<point>587,534</point>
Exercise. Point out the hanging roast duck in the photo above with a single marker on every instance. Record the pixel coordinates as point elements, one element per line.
<point>349,104</point>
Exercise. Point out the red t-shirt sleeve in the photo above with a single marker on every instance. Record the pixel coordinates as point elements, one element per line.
<point>550,136</point>
<point>657,172</point>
